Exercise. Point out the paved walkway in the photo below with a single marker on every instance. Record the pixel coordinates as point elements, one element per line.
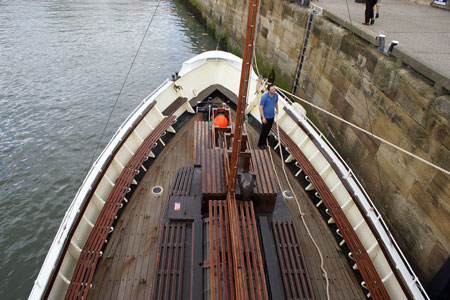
<point>423,31</point>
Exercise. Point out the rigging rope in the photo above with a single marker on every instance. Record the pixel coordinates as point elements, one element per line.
<point>71,207</point>
<point>322,261</point>
<point>366,132</point>
<point>302,214</point>
<point>123,84</point>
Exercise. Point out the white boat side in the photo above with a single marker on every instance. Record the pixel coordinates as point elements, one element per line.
<point>216,68</point>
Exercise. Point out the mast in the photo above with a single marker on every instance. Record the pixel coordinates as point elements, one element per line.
<point>243,91</point>
<point>240,281</point>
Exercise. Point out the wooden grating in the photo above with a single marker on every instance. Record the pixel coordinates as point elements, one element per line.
<point>362,259</point>
<point>202,140</point>
<point>221,251</point>
<point>222,282</point>
<point>168,281</point>
<point>213,180</point>
<point>296,282</point>
<point>86,265</point>
<point>174,106</point>
<point>181,185</point>
<point>265,185</point>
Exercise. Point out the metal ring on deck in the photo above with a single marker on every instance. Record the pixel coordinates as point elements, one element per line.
<point>157,190</point>
<point>287,194</point>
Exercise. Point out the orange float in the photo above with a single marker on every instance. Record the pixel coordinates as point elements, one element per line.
<point>221,121</point>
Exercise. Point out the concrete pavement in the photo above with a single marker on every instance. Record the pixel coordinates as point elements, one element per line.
<point>423,32</point>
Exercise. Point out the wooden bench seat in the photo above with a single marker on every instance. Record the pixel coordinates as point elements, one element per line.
<point>213,175</point>
<point>362,259</point>
<point>202,140</point>
<point>91,252</point>
<point>172,108</point>
<point>265,191</point>
<point>221,252</point>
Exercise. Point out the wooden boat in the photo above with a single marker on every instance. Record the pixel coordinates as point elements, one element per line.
<point>157,217</point>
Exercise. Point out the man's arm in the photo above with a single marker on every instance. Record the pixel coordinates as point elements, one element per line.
<point>276,108</point>
<point>261,112</point>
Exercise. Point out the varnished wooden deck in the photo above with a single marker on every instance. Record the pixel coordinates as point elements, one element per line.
<point>126,269</point>
<point>343,284</point>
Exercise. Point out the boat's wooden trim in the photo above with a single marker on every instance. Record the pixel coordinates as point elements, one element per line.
<point>355,200</point>
<point>89,196</point>
<point>87,262</point>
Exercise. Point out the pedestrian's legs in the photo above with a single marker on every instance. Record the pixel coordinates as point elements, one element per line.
<point>265,132</point>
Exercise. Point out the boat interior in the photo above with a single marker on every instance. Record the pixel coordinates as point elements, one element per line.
<point>172,240</point>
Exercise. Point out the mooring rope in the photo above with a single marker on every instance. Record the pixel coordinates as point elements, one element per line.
<point>302,214</point>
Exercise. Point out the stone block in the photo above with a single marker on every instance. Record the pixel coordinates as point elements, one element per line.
<point>442,106</point>
<point>384,74</point>
<point>350,73</point>
<point>340,83</point>
<point>394,170</point>
<point>278,29</point>
<point>413,95</point>
<point>338,34</point>
<point>324,89</point>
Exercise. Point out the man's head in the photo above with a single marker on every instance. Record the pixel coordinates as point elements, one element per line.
<point>271,89</point>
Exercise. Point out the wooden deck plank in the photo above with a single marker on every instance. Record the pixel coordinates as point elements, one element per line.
<point>343,283</point>
<point>126,269</point>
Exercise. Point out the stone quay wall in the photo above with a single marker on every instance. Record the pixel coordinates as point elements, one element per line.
<point>344,74</point>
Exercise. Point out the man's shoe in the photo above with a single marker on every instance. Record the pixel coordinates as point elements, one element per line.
<point>377,15</point>
<point>262,147</point>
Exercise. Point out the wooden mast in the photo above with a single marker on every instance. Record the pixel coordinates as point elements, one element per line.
<point>240,280</point>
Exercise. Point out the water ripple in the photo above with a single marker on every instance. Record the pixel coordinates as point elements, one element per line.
<point>63,63</point>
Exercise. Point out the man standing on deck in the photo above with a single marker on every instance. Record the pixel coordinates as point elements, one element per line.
<point>268,107</point>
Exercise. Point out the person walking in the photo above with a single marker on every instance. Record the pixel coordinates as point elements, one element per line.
<point>268,107</point>
<point>369,16</point>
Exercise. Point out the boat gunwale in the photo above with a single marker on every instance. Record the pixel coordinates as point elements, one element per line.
<point>71,220</point>
<point>363,202</point>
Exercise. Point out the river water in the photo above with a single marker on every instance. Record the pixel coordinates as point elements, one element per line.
<point>62,64</point>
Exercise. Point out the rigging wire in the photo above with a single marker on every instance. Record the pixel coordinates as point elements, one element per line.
<point>123,84</point>
<point>365,98</point>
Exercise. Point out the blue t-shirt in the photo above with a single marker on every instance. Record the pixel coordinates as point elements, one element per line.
<point>268,104</point>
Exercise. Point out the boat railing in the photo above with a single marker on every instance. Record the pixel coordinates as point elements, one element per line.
<point>364,199</point>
